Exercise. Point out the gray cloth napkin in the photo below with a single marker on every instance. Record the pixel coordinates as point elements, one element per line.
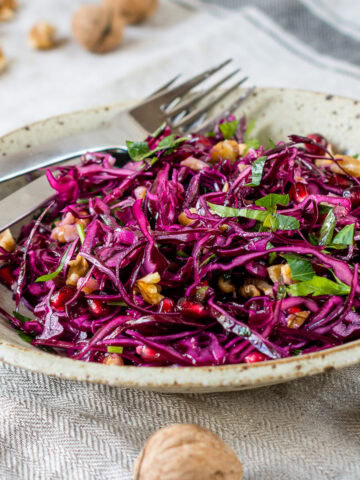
<point>52,429</point>
<point>59,430</point>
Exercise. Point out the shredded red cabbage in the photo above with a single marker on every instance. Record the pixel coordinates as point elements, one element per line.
<point>203,250</point>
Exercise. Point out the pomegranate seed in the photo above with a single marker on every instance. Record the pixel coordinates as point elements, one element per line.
<point>353,194</point>
<point>6,276</point>
<point>293,310</point>
<point>98,308</point>
<point>339,180</point>
<point>167,305</point>
<point>298,192</point>
<point>255,357</point>
<point>59,298</point>
<point>149,355</point>
<point>205,141</point>
<point>314,149</point>
<point>192,309</point>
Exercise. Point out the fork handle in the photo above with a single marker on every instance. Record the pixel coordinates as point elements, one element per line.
<point>63,149</point>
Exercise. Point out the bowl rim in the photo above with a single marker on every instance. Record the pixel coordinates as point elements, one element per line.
<point>182,379</point>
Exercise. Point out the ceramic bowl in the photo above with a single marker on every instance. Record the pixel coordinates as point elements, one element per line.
<point>278,112</point>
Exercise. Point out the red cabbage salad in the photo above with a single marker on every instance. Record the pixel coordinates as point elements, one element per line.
<point>201,250</point>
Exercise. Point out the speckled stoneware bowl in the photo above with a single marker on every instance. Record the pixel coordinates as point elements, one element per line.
<point>279,112</point>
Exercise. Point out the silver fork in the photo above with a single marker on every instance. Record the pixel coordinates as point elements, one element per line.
<point>173,105</point>
<point>170,105</point>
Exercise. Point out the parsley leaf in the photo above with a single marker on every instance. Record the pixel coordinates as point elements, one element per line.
<point>115,349</point>
<point>166,142</point>
<point>285,222</point>
<point>249,129</point>
<point>228,129</point>
<point>251,142</point>
<point>270,201</point>
<point>345,236</point>
<point>276,222</point>
<point>257,171</point>
<point>301,269</point>
<point>20,317</point>
<point>318,286</point>
<point>327,229</point>
<point>50,276</point>
<point>81,232</point>
<point>272,255</point>
<point>272,144</point>
<point>159,130</point>
<point>222,211</point>
<point>137,150</point>
<point>24,336</point>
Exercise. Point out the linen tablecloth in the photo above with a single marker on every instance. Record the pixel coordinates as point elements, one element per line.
<point>52,429</point>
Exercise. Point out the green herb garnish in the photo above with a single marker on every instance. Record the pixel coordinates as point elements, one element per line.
<point>51,276</point>
<point>228,129</point>
<point>270,201</point>
<point>301,269</point>
<point>139,151</point>
<point>21,317</point>
<point>257,171</point>
<point>277,222</point>
<point>81,232</point>
<point>114,349</point>
<point>24,336</point>
<point>345,236</point>
<point>159,130</point>
<point>318,286</point>
<point>327,229</point>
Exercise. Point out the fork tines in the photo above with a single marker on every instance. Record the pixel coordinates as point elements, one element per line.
<point>182,108</point>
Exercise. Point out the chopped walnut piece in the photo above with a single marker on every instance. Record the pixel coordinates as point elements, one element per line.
<point>226,150</point>
<point>249,291</point>
<point>78,268</point>
<point>66,231</point>
<point>255,287</point>
<point>149,289</point>
<point>243,148</point>
<point>346,163</point>
<point>7,241</point>
<point>3,61</point>
<point>296,320</point>
<point>225,285</point>
<point>113,359</point>
<point>184,219</point>
<point>42,36</point>
<point>277,271</point>
<point>7,9</point>
<point>194,163</point>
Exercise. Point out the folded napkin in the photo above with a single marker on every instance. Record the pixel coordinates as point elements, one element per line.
<point>52,429</point>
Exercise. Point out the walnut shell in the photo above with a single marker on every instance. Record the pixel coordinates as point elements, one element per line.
<point>186,452</point>
<point>97,28</point>
<point>133,11</point>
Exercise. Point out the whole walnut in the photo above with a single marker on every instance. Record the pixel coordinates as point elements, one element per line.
<point>133,11</point>
<point>186,452</point>
<point>97,28</point>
